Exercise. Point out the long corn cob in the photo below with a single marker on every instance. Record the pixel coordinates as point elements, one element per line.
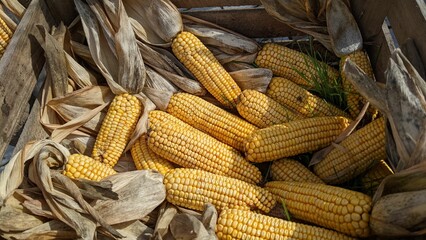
<point>293,138</point>
<point>188,147</point>
<point>292,170</point>
<point>117,128</point>
<point>145,158</point>
<point>332,207</point>
<point>81,166</point>
<point>301,101</point>
<point>193,188</point>
<point>242,224</point>
<point>206,68</point>
<point>372,179</point>
<point>354,99</point>
<point>354,154</point>
<point>262,110</point>
<point>211,119</point>
<point>293,65</point>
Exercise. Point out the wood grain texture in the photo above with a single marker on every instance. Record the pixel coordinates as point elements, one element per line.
<point>19,68</point>
<point>252,22</point>
<point>213,3</point>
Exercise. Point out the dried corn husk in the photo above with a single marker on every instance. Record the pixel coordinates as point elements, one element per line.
<point>227,46</point>
<point>179,223</point>
<point>253,78</point>
<point>399,208</point>
<point>403,102</point>
<point>329,21</point>
<point>154,22</point>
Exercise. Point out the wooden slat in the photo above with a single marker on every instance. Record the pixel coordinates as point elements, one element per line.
<point>409,22</point>
<point>213,3</point>
<point>253,23</point>
<point>19,68</point>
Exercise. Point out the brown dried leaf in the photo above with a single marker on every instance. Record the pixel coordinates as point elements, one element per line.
<point>154,22</point>
<point>139,193</point>
<point>132,230</point>
<point>49,230</point>
<point>16,220</point>
<point>254,78</point>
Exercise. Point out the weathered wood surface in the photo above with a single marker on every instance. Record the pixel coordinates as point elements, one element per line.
<point>213,3</point>
<point>19,70</point>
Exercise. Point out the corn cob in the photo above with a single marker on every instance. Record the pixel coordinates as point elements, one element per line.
<point>262,110</point>
<point>211,119</point>
<point>293,65</point>
<point>81,166</point>
<point>242,224</point>
<point>206,68</point>
<point>372,179</point>
<point>292,170</point>
<point>117,128</point>
<point>300,100</point>
<point>332,207</point>
<point>5,28</point>
<point>354,99</point>
<point>354,154</point>
<point>145,158</point>
<point>293,138</point>
<point>188,147</point>
<point>5,36</point>
<point>193,188</point>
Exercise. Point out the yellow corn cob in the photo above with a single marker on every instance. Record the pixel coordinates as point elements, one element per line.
<point>292,170</point>
<point>293,65</point>
<point>188,147</point>
<point>81,166</point>
<point>354,99</point>
<point>117,128</point>
<point>211,119</point>
<point>354,154</point>
<point>372,179</point>
<point>293,138</point>
<point>206,68</point>
<point>193,188</point>
<point>301,101</point>
<point>242,224</point>
<point>332,207</point>
<point>5,28</point>
<point>145,158</point>
<point>262,110</point>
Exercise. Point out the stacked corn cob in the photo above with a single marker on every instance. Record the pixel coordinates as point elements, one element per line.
<point>5,36</point>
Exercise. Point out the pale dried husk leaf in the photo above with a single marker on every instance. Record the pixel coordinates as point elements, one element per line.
<point>399,208</point>
<point>329,21</point>
<point>180,223</point>
<point>139,193</point>
<point>50,230</point>
<point>403,102</point>
<point>154,22</point>
<point>15,7</point>
<point>113,47</point>
<point>132,230</point>
<point>80,75</point>
<point>82,102</point>
<point>13,219</point>
<point>254,78</point>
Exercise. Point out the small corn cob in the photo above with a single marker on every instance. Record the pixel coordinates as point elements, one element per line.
<point>242,224</point>
<point>193,188</point>
<point>81,166</point>
<point>5,36</point>
<point>188,147</point>
<point>211,119</point>
<point>292,170</point>
<point>372,179</point>
<point>354,154</point>
<point>262,110</point>
<point>206,68</point>
<point>117,128</point>
<point>300,100</point>
<point>145,158</point>
<point>293,138</point>
<point>332,207</point>
<point>293,65</point>
<point>354,99</point>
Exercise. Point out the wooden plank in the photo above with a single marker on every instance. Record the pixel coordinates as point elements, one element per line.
<point>408,21</point>
<point>19,68</point>
<point>213,3</point>
<point>253,23</point>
